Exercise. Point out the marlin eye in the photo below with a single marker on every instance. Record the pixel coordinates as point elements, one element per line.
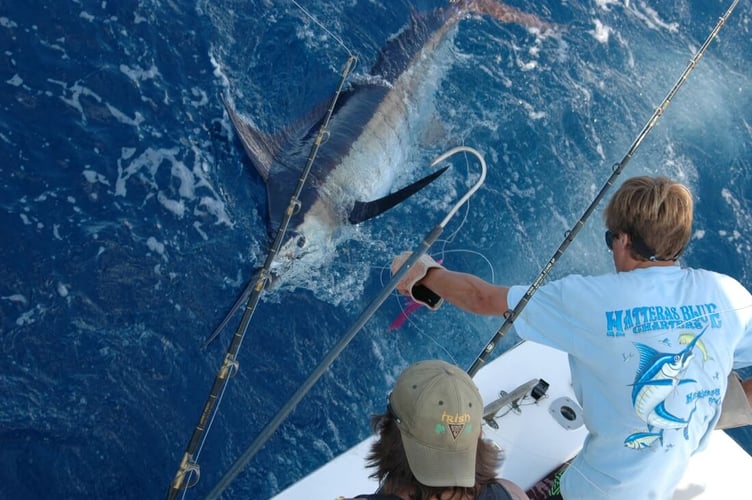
<point>301,242</point>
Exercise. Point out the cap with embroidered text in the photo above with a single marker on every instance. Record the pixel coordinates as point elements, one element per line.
<point>438,409</point>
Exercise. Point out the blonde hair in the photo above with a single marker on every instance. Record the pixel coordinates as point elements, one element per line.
<point>654,210</point>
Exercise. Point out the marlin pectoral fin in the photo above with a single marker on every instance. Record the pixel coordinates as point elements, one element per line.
<point>259,149</point>
<point>364,210</point>
<point>662,412</point>
<point>687,381</point>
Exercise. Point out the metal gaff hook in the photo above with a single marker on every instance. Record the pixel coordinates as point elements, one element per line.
<point>436,232</point>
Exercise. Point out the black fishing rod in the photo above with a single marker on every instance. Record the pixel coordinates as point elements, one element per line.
<point>291,403</point>
<point>510,316</point>
<point>188,466</point>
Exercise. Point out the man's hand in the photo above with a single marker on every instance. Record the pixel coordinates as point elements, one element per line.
<point>409,284</point>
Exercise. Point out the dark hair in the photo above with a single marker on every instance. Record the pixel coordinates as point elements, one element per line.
<point>393,472</point>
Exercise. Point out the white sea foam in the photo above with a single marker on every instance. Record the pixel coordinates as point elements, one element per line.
<point>182,201</point>
<point>126,153</point>
<point>30,316</point>
<point>95,177</point>
<point>201,232</point>
<point>601,32</point>
<point>149,160</point>
<point>155,246</point>
<point>185,176</point>
<point>217,209</point>
<point>7,23</point>
<point>177,207</point>
<point>140,75</point>
<point>137,119</point>
<point>16,297</point>
<point>76,91</point>
<point>605,4</point>
<point>16,81</point>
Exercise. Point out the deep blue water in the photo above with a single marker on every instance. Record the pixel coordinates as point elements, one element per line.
<point>131,217</point>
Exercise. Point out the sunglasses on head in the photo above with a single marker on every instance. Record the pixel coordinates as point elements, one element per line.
<point>638,245</point>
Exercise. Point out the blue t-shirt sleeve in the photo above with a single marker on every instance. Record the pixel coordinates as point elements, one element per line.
<point>544,319</point>
<point>743,351</point>
<point>741,303</point>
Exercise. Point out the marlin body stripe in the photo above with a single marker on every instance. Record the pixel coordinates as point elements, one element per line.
<point>371,135</point>
<point>657,377</point>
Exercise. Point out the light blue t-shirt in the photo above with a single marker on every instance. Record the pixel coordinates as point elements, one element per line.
<point>649,351</point>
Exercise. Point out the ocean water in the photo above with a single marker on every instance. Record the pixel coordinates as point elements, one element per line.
<point>131,217</point>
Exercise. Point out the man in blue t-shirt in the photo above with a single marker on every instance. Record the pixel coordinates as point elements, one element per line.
<point>650,346</point>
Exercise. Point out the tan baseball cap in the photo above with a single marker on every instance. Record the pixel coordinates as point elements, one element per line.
<point>439,412</point>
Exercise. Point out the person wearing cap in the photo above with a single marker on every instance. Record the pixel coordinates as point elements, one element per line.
<point>651,346</point>
<point>429,442</point>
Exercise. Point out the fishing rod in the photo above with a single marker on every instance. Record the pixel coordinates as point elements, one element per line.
<point>510,316</point>
<point>291,403</point>
<point>188,465</point>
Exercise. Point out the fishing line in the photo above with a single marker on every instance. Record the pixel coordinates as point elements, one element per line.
<point>510,316</point>
<point>338,39</point>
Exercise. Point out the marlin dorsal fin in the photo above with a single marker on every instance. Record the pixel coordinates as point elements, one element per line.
<point>648,356</point>
<point>364,210</point>
<point>259,149</point>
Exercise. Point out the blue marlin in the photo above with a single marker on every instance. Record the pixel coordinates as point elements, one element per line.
<point>657,377</point>
<point>370,137</point>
